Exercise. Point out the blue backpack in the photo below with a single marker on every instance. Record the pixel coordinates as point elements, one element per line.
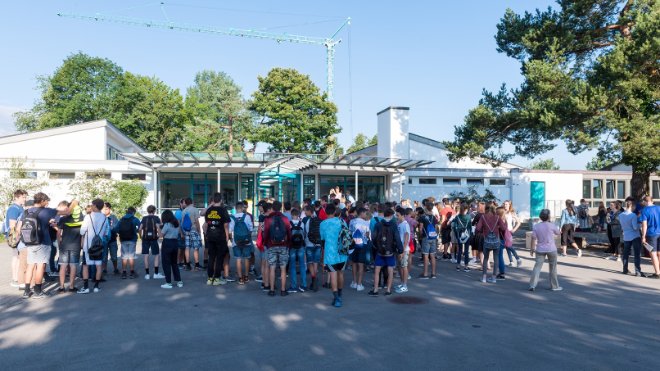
<point>186,223</point>
<point>429,229</point>
<point>242,235</point>
<point>358,239</point>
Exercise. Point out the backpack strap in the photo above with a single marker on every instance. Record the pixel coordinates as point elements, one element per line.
<point>489,228</point>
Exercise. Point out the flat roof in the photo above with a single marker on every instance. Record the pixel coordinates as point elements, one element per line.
<point>295,161</point>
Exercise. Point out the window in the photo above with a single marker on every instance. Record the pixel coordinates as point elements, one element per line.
<point>134,177</point>
<point>113,153</point>
<point>609,188</point>
<point>475,181</point>
<point>96,175</point>
<point>497,182</point>
<point>428,181</point>
<point>621,189</point>
<point>655,189</point>
<point>597,188</point>
<point>409,180</point>
<point>586,189</point>
<point>54,175</point>
<point>451,181</point>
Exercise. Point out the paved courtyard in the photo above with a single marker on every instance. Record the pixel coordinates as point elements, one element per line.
<point>602,320</point>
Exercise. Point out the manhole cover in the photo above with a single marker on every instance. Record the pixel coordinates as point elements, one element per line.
<point>408,300</point>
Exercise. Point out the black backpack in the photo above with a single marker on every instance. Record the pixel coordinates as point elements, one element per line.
<point>385,240</point>
<point>297,236</point>
<point>277,235</point>
<point>314,232</point>
<point>31,233</point>
<point>126,229</point>
<point>149,231</point>
<point>95,249</point>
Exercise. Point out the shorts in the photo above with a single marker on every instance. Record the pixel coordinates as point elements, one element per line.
<point>445,234</point>
<point>477,242</point>
<point>88,261</point>
<point>278,255</point>
<point>243,252</point>
<point>654,241</point>
<point>428,246</point>
<point>567,234</point>
<point>181,243</point>
<point>403,259</point>
<point>69,257</point>
<point>385,261</point>
<point>38,254</point>
<point>150,245</point>
<point>335,267</point>
<point>359,255</point>
<point>313,254</point>
<point>128,250</point>
<point>112,249</point>
<point>192,240</point>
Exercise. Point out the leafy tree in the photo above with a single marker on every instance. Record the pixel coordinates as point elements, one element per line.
<point>221,120</point>
<point>473,196</point>
<point>592,79</point>
<point>120,193</point>
<point>81,89</point>
<point>293,115</point>
<point>361,141</point>
<point>607,155</point>
<point>544,164</point>
<point>148,111</point>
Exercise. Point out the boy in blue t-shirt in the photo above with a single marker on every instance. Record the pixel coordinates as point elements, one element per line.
<point>333,260</point>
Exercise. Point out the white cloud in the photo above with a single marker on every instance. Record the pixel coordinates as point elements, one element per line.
<point>7,119</point>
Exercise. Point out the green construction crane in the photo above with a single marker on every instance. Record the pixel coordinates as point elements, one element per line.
<point>330,43</point>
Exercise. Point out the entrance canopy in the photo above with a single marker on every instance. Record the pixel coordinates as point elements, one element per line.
<point>260,161</point>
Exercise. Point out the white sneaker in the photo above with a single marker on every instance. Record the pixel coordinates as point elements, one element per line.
<point>401,289</point>
<point>558,288</point>
<point>409,276</point>
<point>146,277</point>
<point>96,290</point>
<point>159,276</point>
<point>83,291</point>
<point>579,253</point>
<point>510,264</point>
<point>353,285</point>
<point>166,285</point>
<point>484,280</point>
<point>359,287</point>
<point>453,261</point>
<point>179,284</point>
<point>519,262</point>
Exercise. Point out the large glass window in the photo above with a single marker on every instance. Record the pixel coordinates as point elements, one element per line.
<point>609,188</point>
<point>309,186</point>
<point>428,181</point>
<point>198,186</point>
<point>655,189</point>
<point>621,189</point>
<point>370,188</point>
<point>586,189</point>
<point>597,188</point>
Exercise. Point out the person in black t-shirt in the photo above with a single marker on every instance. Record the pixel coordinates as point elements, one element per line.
<point>216,232</point>
<point>69,242</point>
<point>149,229</point>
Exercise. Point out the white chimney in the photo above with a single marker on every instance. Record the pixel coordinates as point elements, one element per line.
<point>393,132</point>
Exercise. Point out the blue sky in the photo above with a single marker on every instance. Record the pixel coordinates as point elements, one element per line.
<point>433,56</point>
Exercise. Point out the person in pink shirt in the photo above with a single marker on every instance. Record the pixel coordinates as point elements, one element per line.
<point>543,245</point>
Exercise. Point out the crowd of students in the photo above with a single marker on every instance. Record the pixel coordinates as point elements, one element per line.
<point>312,243</point>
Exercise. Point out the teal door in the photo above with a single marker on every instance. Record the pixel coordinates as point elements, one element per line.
<point>537,198</point>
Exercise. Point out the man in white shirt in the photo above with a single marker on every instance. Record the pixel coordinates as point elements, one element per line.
<point>94,224</point>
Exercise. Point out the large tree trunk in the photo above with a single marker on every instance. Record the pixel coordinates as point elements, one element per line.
<point>639,184</point>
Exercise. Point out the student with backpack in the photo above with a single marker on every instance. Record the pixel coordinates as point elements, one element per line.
<point>277,231</point>
<point>297,252</point>
<point>216,232</point>
<point>405,235</point>
<point>429,225</point>
<point>127,230</point>
<point>492,228</point>
<point>312,232</point>
<point>361,244</point>
<point>462,229</point>
<point>190,229</point>
<point>112,244</point>
<point>149,231</point>
<point>68,239</point>
<point>240,229</point>
<point>170,234</point>
<point>387,240</point>
<point>34,228</point>
<point>512,224</point>
<point>94,230</point>
<point>335,253</point>
<point>567,225</point>
<point>265,208</point>
<point>12,237</point>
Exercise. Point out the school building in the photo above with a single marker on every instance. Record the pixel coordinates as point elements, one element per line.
<point>403,165</point>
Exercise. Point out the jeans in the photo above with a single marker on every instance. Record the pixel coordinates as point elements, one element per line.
<point>636,244</point>
<point>484,263</point>
<point>51,261</point>
<point>552,262</point>
<point>112,250</point>
<point>169,254</point>
<point>300,254</point>
<point>512,253</point>
<point>463,250</point>
<point>217,252</point>
<point>500,255</point>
